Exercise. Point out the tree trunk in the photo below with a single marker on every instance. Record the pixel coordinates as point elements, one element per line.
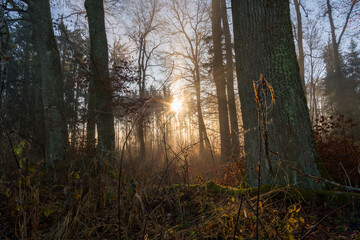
<point>52,84</point>
<point>300,43</point>
<point>38,115</point>
<point>202,129</point>
<point>90,124</point>
<point>264,44</point>
<point>219,78</point>
<point>100,75</point>
<point>340,106</point>
<point>230,77</point>
<point>142,78</point>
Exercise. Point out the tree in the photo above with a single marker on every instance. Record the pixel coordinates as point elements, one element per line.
<point>315,68</point>
<point>230,76</point>
<point>220,82</point>
<point>301,58</point>
<point>264,45</point>
<point>352,74</point>
<point>100,76</point>
<point>341,106</point>
<point>145,22</point>
<point>190,21</point>
<point>51,78</point>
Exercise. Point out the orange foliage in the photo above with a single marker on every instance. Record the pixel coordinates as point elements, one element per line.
<point>339,146</point>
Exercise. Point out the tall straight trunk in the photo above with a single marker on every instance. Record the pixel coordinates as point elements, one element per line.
<point>202,129</point>
<point>315,110</point>
<point>52,84</point>
<point>74,121</point>
<point>340,107</point>
<point>23,131</point>
<point>100,75</point>
<point>142,78</point>
<point>264,44</point>
<point>38,114</point>
<point>90,122</point>
<point>301,57</point>
<point>203,137</point>
<point>230,77</point>
<point>219,78</point>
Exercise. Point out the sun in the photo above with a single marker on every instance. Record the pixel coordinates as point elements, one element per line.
<point>176,105</point>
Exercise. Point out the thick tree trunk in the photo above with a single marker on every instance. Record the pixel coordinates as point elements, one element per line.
<point>38,108</point>
<point>100,75</point>
<point>52,84</point>
<point>230,77</point>
<point>301,58</point>
<point>264,44</point>
<point>219,78</point>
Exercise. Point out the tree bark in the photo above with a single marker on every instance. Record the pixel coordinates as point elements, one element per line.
<point>264,44</point>
<point>90,124</point>
<point>230,77</point>
<point>100,75</point>
<point>51,79</point>
<point>219,78</point>
<point>203,138</point>
<point>142,78</point>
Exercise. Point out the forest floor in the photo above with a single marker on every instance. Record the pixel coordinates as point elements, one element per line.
<point>71,204</point>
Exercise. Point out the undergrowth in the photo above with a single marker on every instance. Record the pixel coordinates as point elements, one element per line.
<point>77,199</point>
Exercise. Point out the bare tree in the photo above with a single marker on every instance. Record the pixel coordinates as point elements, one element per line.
<point>145,23</point>
<point>190,29</point>
<point>315,69</point>
<point>341,105</point>
<point>220,81</point>
<point>299,38</point>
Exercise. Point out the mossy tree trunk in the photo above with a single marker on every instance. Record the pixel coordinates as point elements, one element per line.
<point>101,80</point>
<point>51,79</point>
<point>264,44</point>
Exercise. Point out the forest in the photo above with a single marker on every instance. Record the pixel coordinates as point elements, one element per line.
<point>179,119</point>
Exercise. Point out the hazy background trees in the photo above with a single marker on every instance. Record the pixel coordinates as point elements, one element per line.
<point>152,53</point>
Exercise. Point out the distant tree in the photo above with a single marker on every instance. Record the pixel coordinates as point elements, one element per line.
<point>315,68</point>
<point>299,38</point>
<point>352,74</point>
<point>341,105</point>
<point>264,45</point>
<point>101,81</point>
<point>190,31</point>
<point>74,66</point>
<point>145,23</point>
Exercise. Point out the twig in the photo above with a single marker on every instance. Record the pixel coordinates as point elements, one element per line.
<point>354,189</point>
<point>316,225</point>
<point>238,215</point>
<point>252,209</point>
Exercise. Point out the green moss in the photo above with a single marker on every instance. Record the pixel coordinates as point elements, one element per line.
<point>317,197</point>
